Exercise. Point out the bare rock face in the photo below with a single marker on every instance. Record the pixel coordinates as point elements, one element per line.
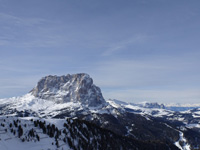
<point>69,88</point>
<point>154,105</point>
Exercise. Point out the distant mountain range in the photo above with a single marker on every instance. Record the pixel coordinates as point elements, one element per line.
<point>92,122</point>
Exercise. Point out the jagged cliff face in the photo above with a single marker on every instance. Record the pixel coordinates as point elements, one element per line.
<point>69,88</point>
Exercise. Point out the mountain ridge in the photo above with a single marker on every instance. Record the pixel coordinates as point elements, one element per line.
<point>75,96</point>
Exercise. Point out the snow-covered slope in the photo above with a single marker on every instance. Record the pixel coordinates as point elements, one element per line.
<point>76,96</point>
<point>33,106</point>
<point>34,133</point>
<point>10,139</point>
<point>151,109</point>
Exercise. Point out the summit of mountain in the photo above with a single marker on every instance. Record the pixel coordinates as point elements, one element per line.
<point>69,88</point>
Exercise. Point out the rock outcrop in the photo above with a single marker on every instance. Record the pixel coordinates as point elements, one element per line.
<point>69,88</point>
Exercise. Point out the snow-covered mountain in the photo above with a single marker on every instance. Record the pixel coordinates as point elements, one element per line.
<point>189,118</point>
<point>145,108</point>
<point>69,88</point>
<point>56,94</point>
<point>75,96</point>
<point>22,133</point>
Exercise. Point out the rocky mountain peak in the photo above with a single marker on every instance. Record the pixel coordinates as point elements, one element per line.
<point>69,88</point>
<point>154,105</point>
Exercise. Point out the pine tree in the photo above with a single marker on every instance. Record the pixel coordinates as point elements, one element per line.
<point>20,131</point>
<point>38,138</point>
<point>57,144</point>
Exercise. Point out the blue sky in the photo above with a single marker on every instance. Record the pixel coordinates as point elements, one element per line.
<point>135,50</point>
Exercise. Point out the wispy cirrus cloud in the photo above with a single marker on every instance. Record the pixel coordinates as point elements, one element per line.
<point>18,21</point>
<point>125,47</point>
<point>160,79</point>
<point>28,32</point>
<point>149,72</point>
<point>121,45</point>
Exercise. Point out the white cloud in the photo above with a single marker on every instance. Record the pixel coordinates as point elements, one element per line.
<point>20,21</point>
<point>114,47</point>
<point>30,32</point>
<point>128,73</point>
<point>165,79</point>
